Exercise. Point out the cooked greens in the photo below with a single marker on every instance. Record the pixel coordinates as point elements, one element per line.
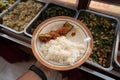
<point>54,10</point>
<point>103,32</point>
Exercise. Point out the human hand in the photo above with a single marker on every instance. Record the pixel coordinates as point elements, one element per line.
<point>50,74</point>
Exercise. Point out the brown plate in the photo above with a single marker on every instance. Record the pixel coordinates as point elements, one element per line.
<point>82,35</point>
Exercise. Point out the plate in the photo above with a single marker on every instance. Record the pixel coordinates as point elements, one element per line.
<point>82,35</point>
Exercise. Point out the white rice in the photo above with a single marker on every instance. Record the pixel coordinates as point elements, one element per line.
<point>62,51</point>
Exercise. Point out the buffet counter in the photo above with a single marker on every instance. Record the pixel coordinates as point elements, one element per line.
<point>23,37</point>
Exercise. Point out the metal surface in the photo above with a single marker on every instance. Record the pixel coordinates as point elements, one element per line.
<point>20,37</point>
<point>116,53</point>
<point>93,72</point>
<point>115,46</point>
<point>113,73</point>
<point>15,40</point>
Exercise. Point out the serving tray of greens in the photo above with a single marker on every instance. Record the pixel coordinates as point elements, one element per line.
<point>21,15</point>
<point>104,31</point>
<point>51,10</point>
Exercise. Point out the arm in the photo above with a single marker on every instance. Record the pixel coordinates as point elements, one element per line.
<point>50,74</point>
<point>30,75</point>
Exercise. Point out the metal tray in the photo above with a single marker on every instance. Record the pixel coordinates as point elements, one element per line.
<point>110,56</point>
<point>27,30</point>
<point>14,6</point>
<point>117,53</point>
<point>5,11</point>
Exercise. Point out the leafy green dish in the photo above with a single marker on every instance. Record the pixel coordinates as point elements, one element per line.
<point>103,32</point>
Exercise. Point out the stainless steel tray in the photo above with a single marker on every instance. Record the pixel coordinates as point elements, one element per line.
<point>110,57</point>
<point>117,53</point>
<point>28,29</point>
<point>11,8</point>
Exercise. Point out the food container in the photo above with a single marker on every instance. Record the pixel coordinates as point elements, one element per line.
<point>104,29</point>
<point>51,10</point>
<point>21,15</point>
<point>117,54</point>
<point>8,4</point>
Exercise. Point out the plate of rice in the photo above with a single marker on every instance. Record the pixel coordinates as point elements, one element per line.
<point>62,43</point>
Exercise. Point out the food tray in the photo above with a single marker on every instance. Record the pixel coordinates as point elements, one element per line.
<point>43,16</point>
<point>15,8</point>
<point>102,55</point>
<point>117,52</point>
<point>5,10</point>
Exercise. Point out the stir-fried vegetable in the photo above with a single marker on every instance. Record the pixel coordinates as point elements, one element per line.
<point>103,31</point>
<point>4,4</point>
